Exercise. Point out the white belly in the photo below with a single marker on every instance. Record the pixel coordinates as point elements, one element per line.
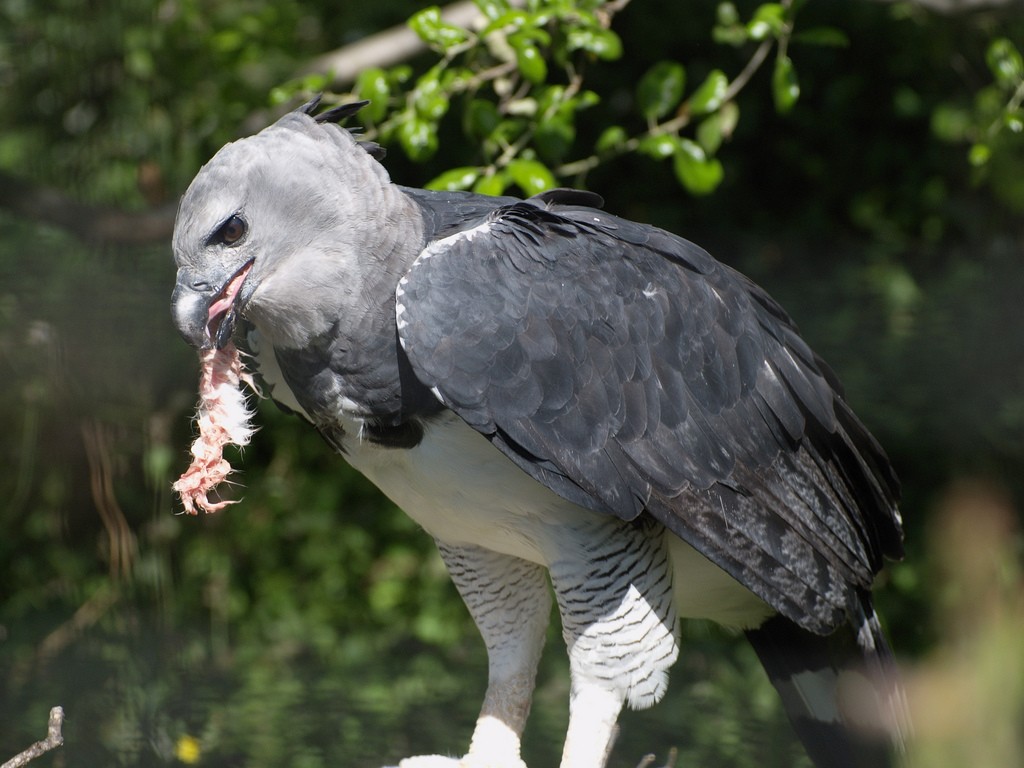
<point>462,490</point>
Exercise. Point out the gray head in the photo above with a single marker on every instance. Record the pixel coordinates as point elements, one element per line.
<point>288,228</point>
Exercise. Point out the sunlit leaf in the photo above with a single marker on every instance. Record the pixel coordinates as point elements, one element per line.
<point>429,97</point>
<point>699,173</point>
<point>418,138</point>
<point>493,184</point>
<point>785,88</point>
<point>979,155</point>
<point>709,133</point>
<point>709,95</point>
<point>435,32</point>
<point>529,59</point>
<point>726,14</point>
<point>611,138</point>
<point>455,179</point>
<point>603,43</point>
<point>1005,62</point>
<point>661,89</point>
<point>492,9</point>
<point>659,146</point>
<point>372,84</point>
<point>531,176</point>
<point>768,21</point>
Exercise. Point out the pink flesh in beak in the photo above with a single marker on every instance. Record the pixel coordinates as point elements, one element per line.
<point>227,298</point>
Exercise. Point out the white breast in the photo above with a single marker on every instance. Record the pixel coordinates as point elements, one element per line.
<point>463,490</point>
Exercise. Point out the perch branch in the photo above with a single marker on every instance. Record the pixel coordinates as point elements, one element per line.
<point>53,739</point>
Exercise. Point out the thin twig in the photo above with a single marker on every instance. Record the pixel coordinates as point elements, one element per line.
<point>54,738</point>
<point>754,64</point>
<point>680,121</point>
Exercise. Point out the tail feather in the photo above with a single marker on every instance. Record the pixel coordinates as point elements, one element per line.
<point>840,691</point>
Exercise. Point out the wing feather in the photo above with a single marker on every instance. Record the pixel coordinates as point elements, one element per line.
<point>630,372</point>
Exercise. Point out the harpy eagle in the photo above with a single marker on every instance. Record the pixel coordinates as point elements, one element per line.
<point>567,402</point>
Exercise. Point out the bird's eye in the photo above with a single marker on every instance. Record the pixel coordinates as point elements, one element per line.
<point>230,231</point>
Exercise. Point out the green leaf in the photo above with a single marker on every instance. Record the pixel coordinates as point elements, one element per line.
<point>492,9</point>
<point>512,19</point>
<point>429,97</point>
<point>699,173</point>
<point>734,35</point>
<point>481,118</point>
<point>708,97</point>
<point>659,146</point>
<point>603,43</point>
<point>493,184</point>
<point>824,36</point>
<point>418,138</point>
<point>551,97</point>
<point>726,14</point>
<point>529,59</point>
<point>373,84</point>
<point>585,100</point>
<point>979,155</point>
<point>661,89</point>
<point>1005,62</point>
<point>455,179</point>
<point>425,23</point>
<point>435,32</point>
<point>456,79</point>
<point>785,88</point>
<point>718,127</point>
<point>531,176</point>
<point>611,139</point>
<point>768,21</point>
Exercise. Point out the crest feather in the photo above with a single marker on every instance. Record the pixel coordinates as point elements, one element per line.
<point>337,115</point>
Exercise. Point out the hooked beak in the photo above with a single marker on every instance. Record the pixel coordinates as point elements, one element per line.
<point>205,313</point>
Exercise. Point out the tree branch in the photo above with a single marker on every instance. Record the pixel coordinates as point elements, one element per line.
<point>53,739</point>
<point>93,223</point>
<point>387,48</point>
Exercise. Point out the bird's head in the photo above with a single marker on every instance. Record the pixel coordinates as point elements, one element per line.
<point>278,224</point>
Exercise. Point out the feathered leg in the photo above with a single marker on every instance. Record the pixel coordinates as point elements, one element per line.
<point>510,601</point>
<point>840,691</point>
<point>613,583</point>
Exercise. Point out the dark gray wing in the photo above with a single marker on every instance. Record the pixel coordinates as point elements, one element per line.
<point>627,370</point>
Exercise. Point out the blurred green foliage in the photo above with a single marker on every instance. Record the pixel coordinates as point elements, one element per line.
<point>868,171</point>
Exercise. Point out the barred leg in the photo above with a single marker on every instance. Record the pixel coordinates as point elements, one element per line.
<point>510,601</point>
<point>614,590</point>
